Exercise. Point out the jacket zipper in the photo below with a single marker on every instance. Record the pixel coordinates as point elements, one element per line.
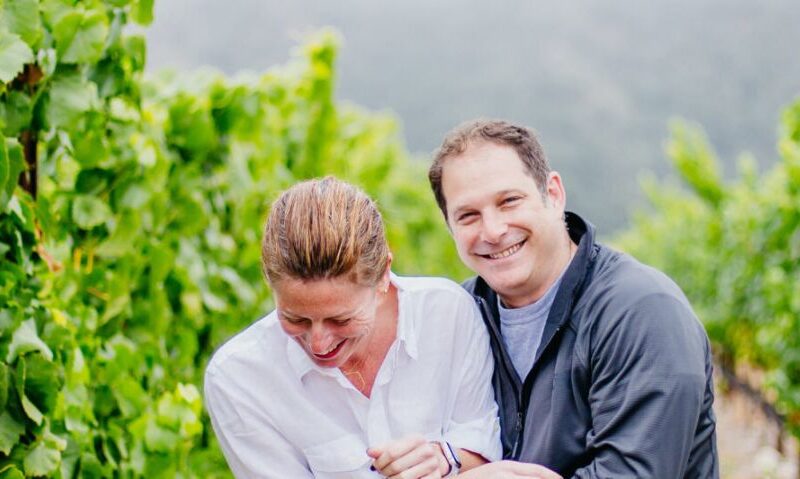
<point>520,418</point>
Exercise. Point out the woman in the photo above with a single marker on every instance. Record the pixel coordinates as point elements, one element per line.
<point>357,371</point>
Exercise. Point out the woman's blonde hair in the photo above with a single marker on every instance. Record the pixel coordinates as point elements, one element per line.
<point>324,228</point>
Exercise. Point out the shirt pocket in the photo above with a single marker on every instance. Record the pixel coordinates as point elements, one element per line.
<point>340,458</point>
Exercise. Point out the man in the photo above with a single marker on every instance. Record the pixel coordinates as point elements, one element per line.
<point>602,369</point>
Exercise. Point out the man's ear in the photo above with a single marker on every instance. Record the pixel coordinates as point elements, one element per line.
<point>555,193</point>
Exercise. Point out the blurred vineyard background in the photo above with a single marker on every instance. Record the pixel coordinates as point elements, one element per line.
<point>130,213</point>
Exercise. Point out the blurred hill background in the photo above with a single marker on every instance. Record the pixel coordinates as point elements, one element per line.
<point>598,80</point>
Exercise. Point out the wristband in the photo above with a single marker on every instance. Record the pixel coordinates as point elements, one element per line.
<point>452,458</point>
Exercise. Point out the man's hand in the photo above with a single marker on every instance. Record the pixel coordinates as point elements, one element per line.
<point>411,457</point>
<point>510,470</point>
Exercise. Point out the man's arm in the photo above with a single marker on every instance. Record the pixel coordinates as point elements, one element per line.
<point>647,387</point>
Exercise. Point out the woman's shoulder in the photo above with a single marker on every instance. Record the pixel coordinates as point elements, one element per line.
<point>432,286</point>
<point>249,348</point>
<point>438,303</point>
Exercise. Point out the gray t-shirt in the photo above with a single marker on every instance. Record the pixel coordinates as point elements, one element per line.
<point>522,328</point>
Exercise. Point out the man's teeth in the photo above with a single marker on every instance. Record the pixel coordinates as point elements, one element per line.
<point>507,252</point>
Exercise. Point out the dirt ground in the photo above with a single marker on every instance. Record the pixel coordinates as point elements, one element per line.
<point>748,442</point>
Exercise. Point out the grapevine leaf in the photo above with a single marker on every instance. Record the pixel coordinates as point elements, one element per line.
<point>159,438</point>
<point>55,10</point>
<point>89,211</point>
<point>42,460</point>
<point>11,472</point>
<point>26,339</point>
<point>42,381</point>
<point>10,154</point>
<point>10,431</point>
<point>18,113</point>
<point>31,410</point>
<point>14,54</point>
<point>28,406</point>
<point>70,97</point>
<point>80,36</point>
<point>22,18</point>
<point>121,239</point>
<point>4,173</point>
<point>142,12</point>
<point>4,382</point>
<point>91,149</point>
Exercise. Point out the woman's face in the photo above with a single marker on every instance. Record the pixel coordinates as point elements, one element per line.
<point>331,319</point>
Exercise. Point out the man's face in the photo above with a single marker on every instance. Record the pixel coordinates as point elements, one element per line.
<point>504,229</point>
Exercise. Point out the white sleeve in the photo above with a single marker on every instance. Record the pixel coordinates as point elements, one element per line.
<point>474,424</point>
<point>261,453</point>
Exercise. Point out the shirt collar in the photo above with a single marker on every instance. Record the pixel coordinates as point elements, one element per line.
<point>406,339</point>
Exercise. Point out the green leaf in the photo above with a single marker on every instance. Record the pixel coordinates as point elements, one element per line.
<point>14,55</point>
<point>55,10</point>
<point>26,339</point>
<point>142,12</point>
<point>4,384</point>
<point>80,36</point>
<point>18,113</point>
<point>11,472</point>
<point>11,156</point>
<point>91,148</point>
<point>70,97</point>
<point>158,438</point>
<point>4,174</point>
<point>10,431</point>
<point>121,239</point>
<point>22,18</point>
<point>31,410</point>
<point>89,211</point>
<point>43,381</point>
<point>42,460</point>
<point>130,396</point>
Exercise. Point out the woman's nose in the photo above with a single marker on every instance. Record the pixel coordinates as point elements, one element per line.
<point>320,339</point>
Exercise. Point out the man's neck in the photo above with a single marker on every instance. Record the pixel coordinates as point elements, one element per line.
<point>528,298</point>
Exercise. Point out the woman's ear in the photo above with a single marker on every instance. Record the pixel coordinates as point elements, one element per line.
<point>386,279</point>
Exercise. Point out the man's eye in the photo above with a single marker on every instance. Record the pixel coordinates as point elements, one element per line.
<point>342,322</point>
<point>464,217</point>
<point>511,200</point>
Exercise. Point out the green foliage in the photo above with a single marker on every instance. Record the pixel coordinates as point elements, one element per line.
<point>735,250</point>
<point>140,252</point>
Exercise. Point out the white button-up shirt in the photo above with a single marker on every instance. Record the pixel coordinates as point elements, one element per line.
<point>278,415</point>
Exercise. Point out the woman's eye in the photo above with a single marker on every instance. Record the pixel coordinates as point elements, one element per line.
<point>295,321</point>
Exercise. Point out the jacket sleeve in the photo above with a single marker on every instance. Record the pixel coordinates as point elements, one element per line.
<point>647,368</point>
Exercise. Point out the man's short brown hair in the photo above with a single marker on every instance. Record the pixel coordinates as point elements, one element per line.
<point>521,139</point>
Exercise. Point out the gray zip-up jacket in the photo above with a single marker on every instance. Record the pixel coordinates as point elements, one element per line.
<point>621,384</point>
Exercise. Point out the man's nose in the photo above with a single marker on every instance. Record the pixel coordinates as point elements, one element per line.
<point>493,228</point>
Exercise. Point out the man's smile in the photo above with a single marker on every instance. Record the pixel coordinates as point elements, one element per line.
<point>506,252</point>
